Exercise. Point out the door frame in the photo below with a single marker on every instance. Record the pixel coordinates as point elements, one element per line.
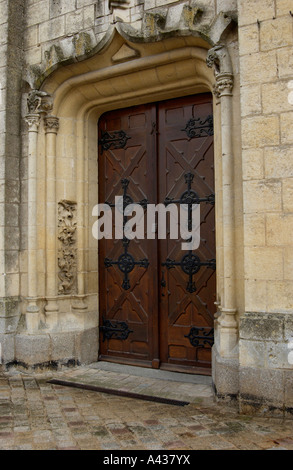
<point>87,91</point>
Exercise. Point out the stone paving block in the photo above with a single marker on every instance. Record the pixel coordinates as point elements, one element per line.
<point>68,418</point>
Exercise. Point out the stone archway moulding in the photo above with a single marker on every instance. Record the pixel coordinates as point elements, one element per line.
<point>171,73</point>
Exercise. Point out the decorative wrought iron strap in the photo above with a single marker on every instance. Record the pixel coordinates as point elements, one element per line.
<point>201,336</point>
<point>190,197</point>
<point>198,127</point>
<point>126,262</point>
<point>116,140</point>
<point>114,329</point>
<point>190,264</point>
<point>127,199</point>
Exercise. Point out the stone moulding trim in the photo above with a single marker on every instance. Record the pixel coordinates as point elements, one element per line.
<point>212,34</point>
<point>139,65</point>
<point>67,251</point>
<point>118,4</point>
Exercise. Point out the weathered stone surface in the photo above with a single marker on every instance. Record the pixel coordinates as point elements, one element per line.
<point>262,327</point>
<point>87,346</point>
<point>7,347</point>
<point>252,353</point>
<point>32,349</point>
<point>225,377</point>
<point>288,378</point>
<point>262,389</point>
<point>62,346</point>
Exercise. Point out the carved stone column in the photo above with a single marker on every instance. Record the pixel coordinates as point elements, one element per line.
<point>32,317</point>
<point>51,308</point>
<point>79,304</point>
<point>38,102</point>
<point>218,57</point>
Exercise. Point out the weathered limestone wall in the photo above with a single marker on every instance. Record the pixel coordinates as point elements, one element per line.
<point>266,51</point>
<point>11,61</point>
<point>64,30</point>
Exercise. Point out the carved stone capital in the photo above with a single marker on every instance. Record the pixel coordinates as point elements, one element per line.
<point>224,85</point>
<point>39,102</point>
<point>218,57</point>
<point>51,124</point>
<point>33,122</point>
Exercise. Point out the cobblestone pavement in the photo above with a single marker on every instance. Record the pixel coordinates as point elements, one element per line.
<point>37,415</point>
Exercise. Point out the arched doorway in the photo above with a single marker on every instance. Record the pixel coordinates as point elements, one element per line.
<point>81,94</point>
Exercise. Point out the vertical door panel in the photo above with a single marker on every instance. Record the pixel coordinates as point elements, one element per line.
<point>128,287</point>
<point>181,310</point>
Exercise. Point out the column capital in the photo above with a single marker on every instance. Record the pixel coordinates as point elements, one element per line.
<point>224,85</point>
<point>33,121</point>
<point>51,124</point>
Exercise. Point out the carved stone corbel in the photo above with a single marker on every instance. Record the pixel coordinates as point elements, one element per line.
<point>219,58</point>
<point>39,102</point>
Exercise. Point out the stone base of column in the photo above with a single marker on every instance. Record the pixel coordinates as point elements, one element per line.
<point>32,317</point>
<point>225,375</point>
<point>45,351</point>
<point>51,312</point>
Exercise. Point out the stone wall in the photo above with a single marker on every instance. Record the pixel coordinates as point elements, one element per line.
<point>265,50</point>
<point>11,62</point>
<point>63,31</point>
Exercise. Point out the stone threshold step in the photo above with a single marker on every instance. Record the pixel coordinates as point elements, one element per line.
<point>119,392</point>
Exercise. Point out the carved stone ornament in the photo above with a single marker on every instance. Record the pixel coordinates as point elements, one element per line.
<point>224,85</point>
<point>39,102</point>
<point>51,124</point>
<point>218,57</point>
<point>67,251</point>
<point>33,121</point>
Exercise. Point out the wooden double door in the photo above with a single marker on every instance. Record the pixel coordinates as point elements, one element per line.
<point>156,301</point>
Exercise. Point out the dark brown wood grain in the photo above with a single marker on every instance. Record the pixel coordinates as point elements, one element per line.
<point>157,155</point>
